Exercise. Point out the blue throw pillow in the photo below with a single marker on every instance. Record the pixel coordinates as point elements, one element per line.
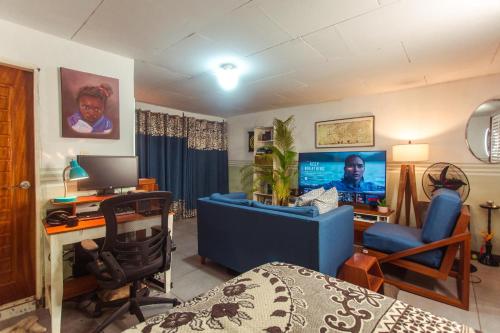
<point>309,211</point>
<point>227,199</point>
<point>441,216</point>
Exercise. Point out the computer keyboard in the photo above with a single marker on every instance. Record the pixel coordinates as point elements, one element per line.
<point>98,213</point>
<point>89,215</point>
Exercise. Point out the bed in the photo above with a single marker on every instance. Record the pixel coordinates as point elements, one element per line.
<point>279,297</point>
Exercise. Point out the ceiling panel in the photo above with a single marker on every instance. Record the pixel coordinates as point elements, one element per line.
<point>141,28</point>
<point>297,51</point>
<point>283,58</point>
<point>299,17</point>
<point>58,17</point>
<point>153,75</point>
<point>246,30</point>
<point>329,43</point>
<point>192,55</point>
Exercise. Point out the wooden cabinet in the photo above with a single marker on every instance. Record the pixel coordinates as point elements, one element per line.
<point>364,218</point>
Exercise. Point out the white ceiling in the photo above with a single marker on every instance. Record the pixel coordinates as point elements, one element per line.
<point>298,51</point>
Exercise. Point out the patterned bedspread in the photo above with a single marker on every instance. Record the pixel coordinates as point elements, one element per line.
<point>279,297</point>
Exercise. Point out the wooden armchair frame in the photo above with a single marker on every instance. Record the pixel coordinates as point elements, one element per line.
<point>459,242</point>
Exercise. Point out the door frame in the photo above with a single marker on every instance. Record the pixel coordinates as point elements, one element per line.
<point>37,161</point>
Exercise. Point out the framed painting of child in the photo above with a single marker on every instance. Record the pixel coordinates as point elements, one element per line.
<point>90,105</point>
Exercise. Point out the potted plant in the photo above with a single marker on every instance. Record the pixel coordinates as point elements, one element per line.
<point>283,154</point>
<point>382,206</point>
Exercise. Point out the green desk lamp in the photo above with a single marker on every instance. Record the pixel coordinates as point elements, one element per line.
<point>76,172</point>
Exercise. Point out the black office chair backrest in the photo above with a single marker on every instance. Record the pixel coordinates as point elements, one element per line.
<point>138,256</point>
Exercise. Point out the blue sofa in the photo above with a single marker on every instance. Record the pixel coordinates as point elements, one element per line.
<point>242,234</point>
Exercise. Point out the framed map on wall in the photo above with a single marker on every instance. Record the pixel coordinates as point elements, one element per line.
<point>347,132</point>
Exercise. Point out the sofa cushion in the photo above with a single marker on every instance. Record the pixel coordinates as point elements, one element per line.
<point>390,238</point>
<point>309,211</point>
<point>327,201</point>
<point>441,216</point>
<point>307,198</point>
<point>228,199</point>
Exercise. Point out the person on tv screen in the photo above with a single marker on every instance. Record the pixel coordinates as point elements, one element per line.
<point>353,180</point>
<point>90,118</point>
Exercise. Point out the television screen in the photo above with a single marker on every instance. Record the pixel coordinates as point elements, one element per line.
<point>107,172</point>
<point>359,176</point>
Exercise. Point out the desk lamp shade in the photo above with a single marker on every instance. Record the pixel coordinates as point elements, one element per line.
<point>72,172</point>
<point>411,152</point>
<point>76,172</point>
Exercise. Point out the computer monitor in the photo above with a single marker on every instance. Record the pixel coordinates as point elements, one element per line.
<point>108,172</point>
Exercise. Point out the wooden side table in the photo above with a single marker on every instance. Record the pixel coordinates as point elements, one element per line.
<point>487,257</point>
<point>363,270</point>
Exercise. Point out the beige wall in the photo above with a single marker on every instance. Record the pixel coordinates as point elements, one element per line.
<point>434,114</point>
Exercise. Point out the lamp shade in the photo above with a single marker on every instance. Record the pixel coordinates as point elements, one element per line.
<point>411,152</point>
<point>76,172</point>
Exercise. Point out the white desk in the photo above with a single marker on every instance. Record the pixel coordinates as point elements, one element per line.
<point>55,239</point>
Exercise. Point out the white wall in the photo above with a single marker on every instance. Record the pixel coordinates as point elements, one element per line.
<point>434,114</point>
<point>26,47</point>
<point>29,48</point>
<point>163,109</point>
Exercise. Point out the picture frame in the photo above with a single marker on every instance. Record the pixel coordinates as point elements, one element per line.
<point>90,105</point>
<point>251,141</point>
<point>345,132</point>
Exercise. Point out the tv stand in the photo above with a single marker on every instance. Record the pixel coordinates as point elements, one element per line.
<point>364,218</point>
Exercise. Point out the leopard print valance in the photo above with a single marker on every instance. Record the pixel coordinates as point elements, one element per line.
<point>201,134</point>
<point>159,124</point>
<point>206,135</point>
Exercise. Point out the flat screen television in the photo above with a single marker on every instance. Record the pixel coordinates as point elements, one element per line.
<point>108,172</point>
<point>359,176</point>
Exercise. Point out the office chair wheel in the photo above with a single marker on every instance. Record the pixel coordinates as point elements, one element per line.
<point>176,302</point>
<point>91,307</point>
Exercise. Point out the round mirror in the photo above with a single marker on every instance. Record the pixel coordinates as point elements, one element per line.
<point>483,132</point>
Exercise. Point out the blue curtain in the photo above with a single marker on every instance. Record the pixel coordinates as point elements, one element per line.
<point>187,156</point>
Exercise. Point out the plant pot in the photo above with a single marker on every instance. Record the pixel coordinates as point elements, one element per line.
<point>383,209</point>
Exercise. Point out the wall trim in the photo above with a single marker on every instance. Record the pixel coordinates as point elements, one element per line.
<point>472,169</point>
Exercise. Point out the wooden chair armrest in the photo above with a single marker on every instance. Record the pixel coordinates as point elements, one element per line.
<point>459,238</point>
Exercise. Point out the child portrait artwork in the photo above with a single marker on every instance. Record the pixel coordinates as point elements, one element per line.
<point>90,105</point>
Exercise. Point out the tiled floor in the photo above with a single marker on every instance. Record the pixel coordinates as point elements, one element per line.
<point>191,278</point>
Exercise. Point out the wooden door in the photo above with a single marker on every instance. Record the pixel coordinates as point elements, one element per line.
<point>17,180</point>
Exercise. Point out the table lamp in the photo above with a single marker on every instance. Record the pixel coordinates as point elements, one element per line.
<point>408,153</point>
<point>76,172</point>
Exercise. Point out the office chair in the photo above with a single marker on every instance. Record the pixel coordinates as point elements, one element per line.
<point>121,260</point>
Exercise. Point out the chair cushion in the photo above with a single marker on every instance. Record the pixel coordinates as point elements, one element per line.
<point>307,198</point>
<point>309,211</point>
<point>327,201</point>
<point>441,215</point>
<point>228,199</point>
<point>391,238</point>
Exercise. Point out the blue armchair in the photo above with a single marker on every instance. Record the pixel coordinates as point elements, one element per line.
<point>429,251</point>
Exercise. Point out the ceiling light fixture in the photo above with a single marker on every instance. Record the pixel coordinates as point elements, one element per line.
<point>228,76</point>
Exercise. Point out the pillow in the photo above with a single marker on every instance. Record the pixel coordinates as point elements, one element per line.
<point>225,199</point>
<point>327,201</point>
<point>307,198</point>
<point>308,211</point>
<point>442,215</point>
